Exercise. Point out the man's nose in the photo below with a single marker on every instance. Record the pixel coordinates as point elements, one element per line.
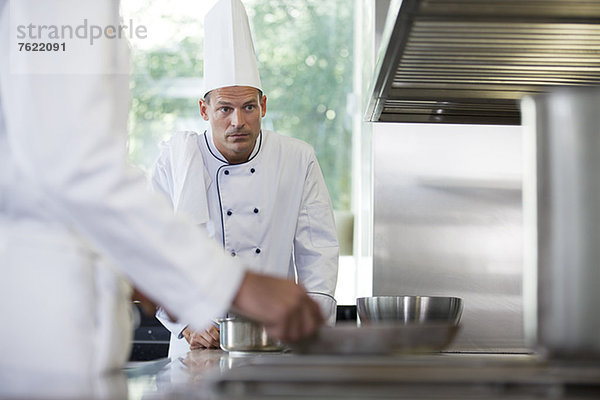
<point>237,118</point>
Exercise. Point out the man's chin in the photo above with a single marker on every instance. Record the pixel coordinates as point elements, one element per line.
<point>240,147</point>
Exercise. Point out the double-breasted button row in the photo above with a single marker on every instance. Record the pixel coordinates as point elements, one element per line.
<point>257,251</point>
<point>252,170</point>
<point>230,212</point>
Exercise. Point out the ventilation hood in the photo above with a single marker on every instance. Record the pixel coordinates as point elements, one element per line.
<point>470,61</point>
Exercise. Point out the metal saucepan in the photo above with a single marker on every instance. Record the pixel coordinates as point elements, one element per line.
<point>409,309</point>
<point>239,334</point>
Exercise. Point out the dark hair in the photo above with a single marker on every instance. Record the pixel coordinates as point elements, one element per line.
<point>207,96</point>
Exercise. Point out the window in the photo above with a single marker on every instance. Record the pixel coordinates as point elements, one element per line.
<point>304,51</point>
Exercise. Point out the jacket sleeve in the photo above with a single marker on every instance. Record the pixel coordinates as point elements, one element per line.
<point>161,177</point>
<point>161,181</point>
<point>67,133</point>
<point>176,328</point>
<point>316,248</point>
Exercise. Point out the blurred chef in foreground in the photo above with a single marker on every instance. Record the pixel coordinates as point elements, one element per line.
<point>260,194</point>
<point>77,223</point>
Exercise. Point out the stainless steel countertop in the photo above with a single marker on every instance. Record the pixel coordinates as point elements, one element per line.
<point>214,374</point>
<point>217,375</point>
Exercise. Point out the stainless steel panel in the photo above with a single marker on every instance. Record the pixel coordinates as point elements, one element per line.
<point>448,222</point>
<point>563,133</point>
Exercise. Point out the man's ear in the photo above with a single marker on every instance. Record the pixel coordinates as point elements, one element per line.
<point>203,109</point>
<point>263,105</point>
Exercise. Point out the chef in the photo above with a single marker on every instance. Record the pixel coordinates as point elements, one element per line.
<point>77,223</point>
<point>261,195</point>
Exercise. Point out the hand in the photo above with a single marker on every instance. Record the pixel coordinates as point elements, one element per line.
<point>281,305</point>
<point>208,339</point>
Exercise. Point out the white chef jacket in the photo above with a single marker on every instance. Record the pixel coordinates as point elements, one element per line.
<point>75,219</point>
<point>273,212</point>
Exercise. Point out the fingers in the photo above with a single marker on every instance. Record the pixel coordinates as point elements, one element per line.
<point>208,339</point>
<point>214,333</point>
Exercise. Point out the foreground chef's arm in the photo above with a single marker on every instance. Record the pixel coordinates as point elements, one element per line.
<point>316,249</point>
<point>67,132</point>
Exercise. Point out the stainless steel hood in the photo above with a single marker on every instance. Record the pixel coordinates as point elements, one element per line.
<point>470,61</point>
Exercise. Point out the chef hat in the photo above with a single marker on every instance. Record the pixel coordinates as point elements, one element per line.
<point>229,58</point>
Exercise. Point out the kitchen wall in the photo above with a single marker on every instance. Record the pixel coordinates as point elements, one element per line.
<point>447,214</point>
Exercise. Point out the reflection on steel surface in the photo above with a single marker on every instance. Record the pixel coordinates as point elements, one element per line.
<point>448,222</point>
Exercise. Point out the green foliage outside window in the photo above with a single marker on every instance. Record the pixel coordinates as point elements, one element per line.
<point>305,58</point>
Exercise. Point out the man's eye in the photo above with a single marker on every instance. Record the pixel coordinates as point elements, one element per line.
<point>224,109</point>
<point>250,107</point>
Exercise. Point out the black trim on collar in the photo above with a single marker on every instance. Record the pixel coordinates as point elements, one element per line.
<point>260,134</point>
<point>220,204</point>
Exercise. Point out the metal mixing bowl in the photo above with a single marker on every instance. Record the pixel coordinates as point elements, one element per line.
<point>239,334</point>
<point>409,309</point>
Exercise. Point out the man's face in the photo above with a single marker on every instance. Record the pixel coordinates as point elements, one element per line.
<point>234,114</point>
